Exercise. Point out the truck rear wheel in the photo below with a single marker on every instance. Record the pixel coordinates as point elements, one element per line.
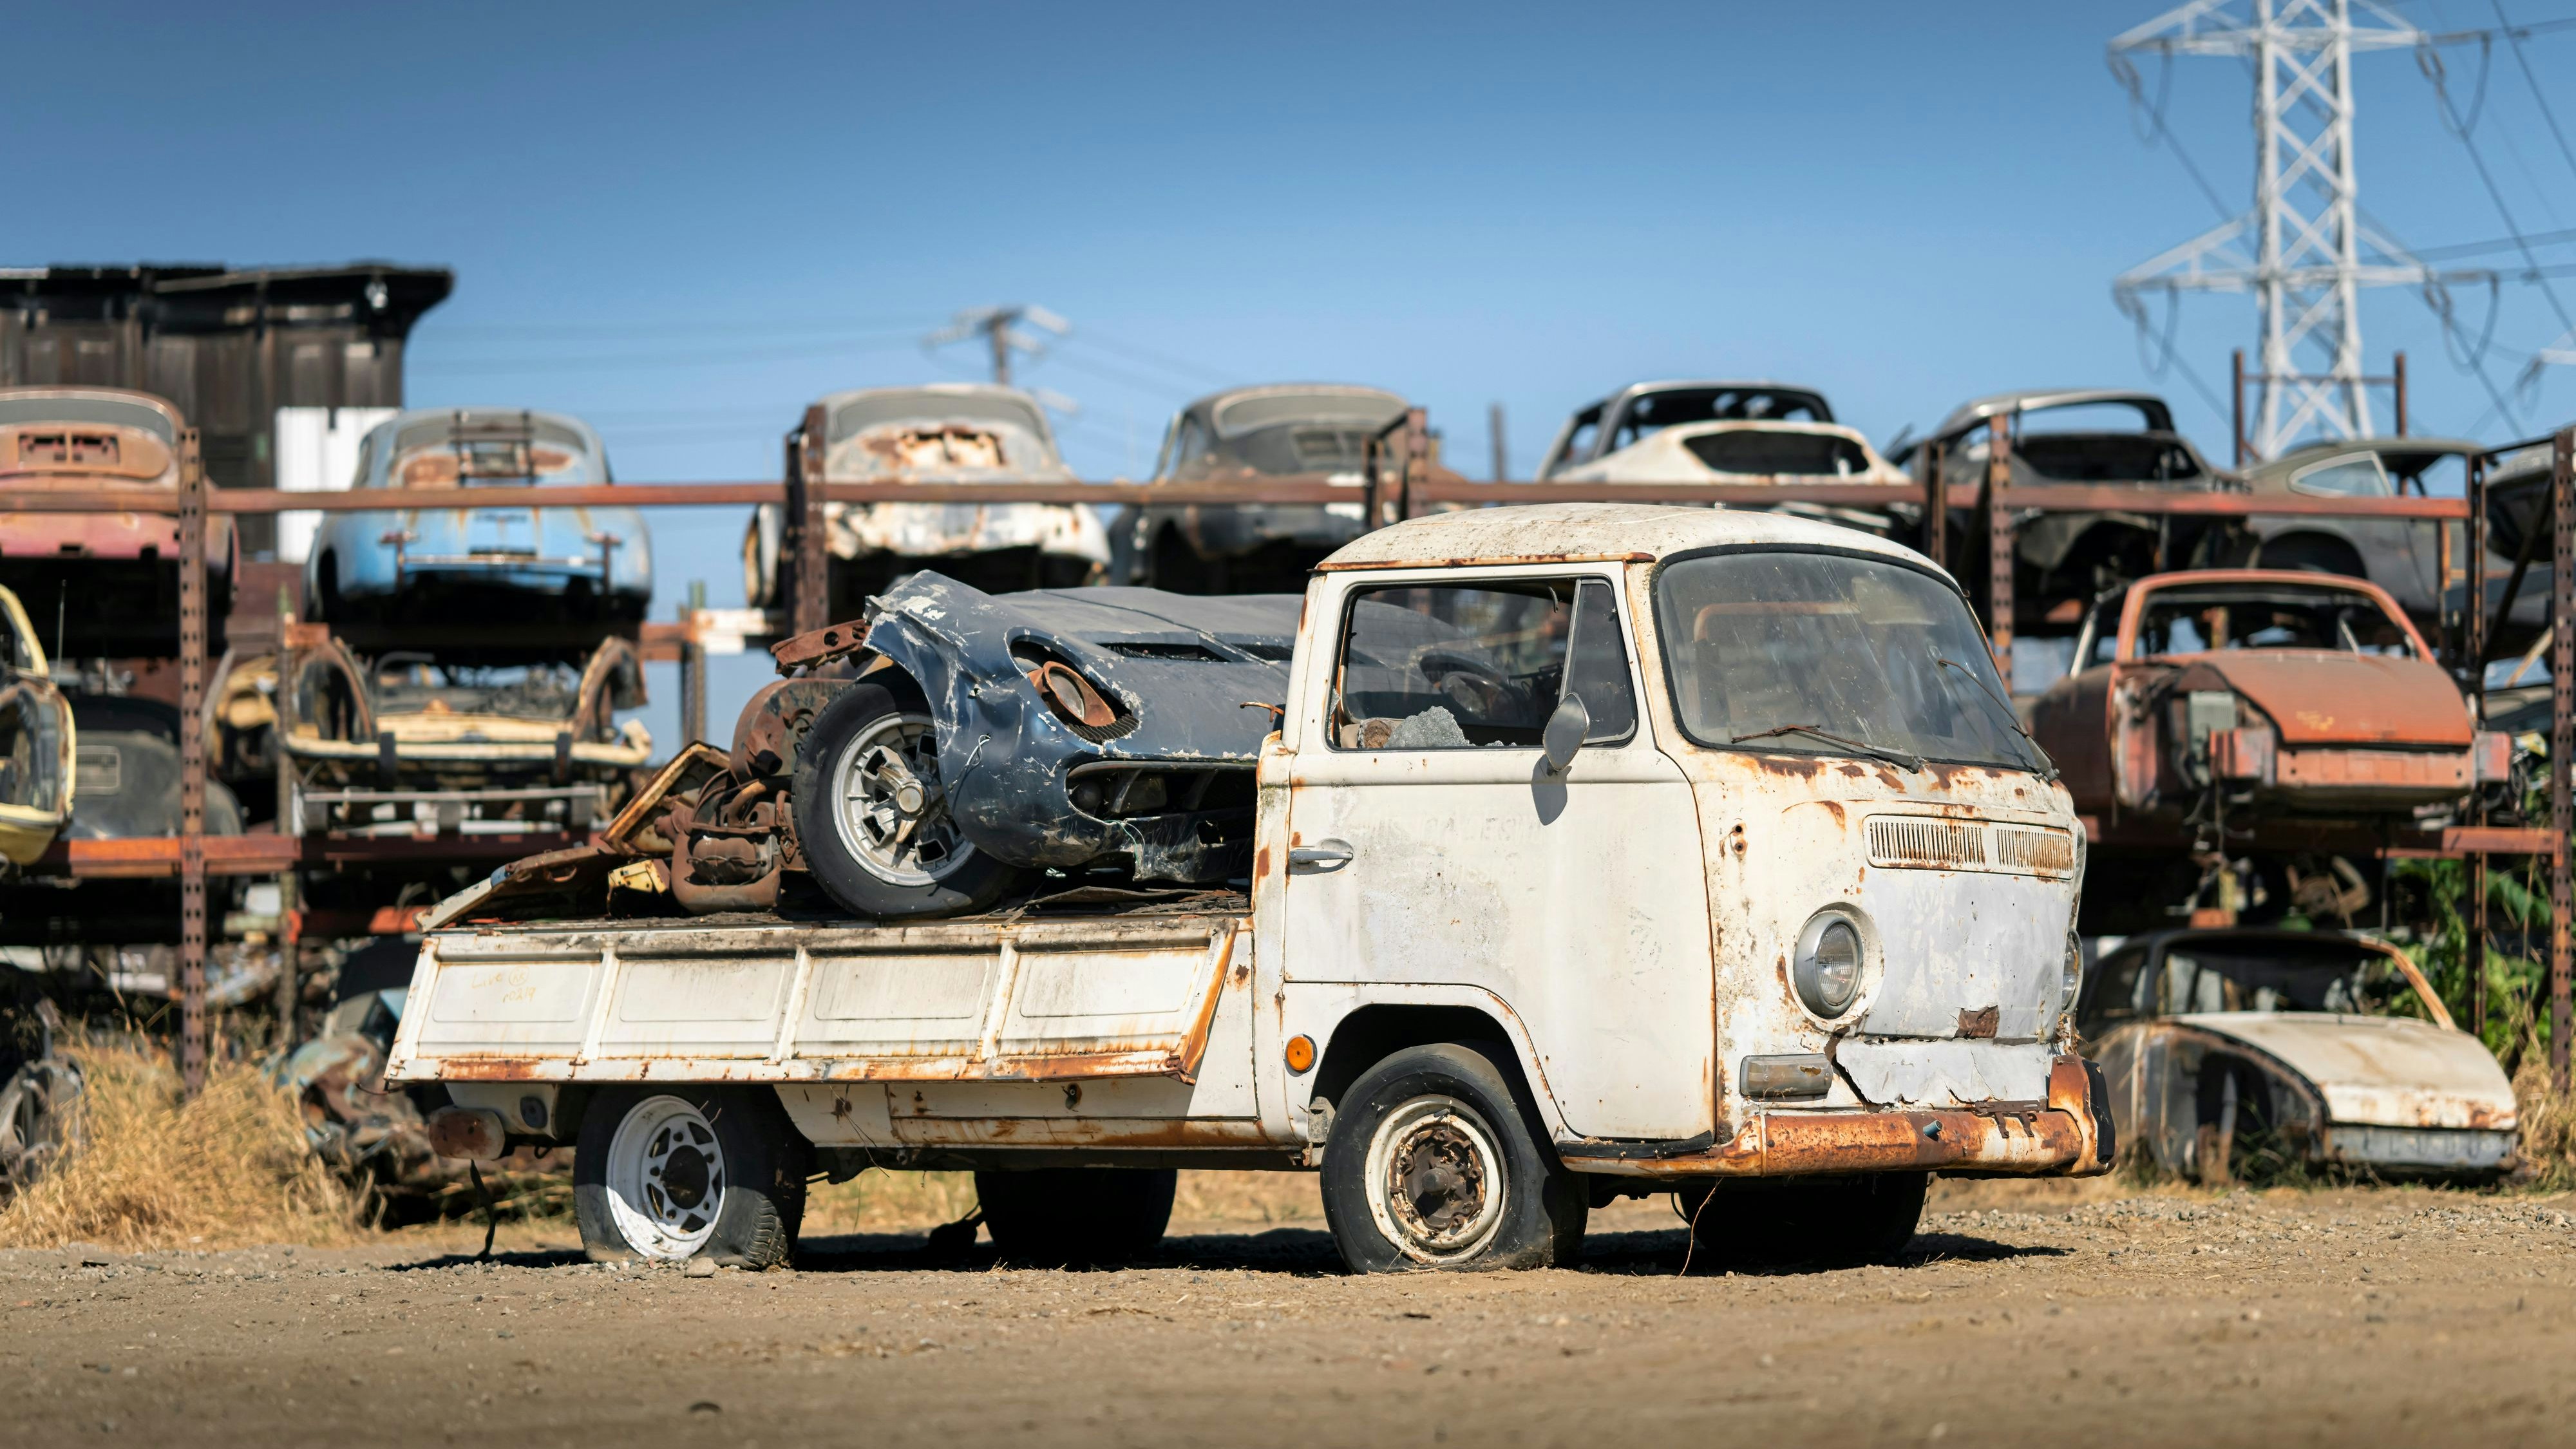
<point>1051,1216</point>
<point>671,1173</point>
<point>873,820</point>
<point>1434,1162</point>
<point>1828,1222</point>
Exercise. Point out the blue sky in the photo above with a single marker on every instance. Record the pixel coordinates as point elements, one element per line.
<point>684,221</point>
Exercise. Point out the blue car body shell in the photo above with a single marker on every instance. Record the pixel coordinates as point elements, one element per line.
<point>424,568</point>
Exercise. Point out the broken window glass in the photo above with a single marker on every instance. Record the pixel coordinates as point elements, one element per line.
<point>1449,667</point>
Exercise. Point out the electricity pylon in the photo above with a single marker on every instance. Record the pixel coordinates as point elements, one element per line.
<point>2302,248</point>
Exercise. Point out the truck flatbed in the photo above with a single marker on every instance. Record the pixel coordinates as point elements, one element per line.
<point>1060,991</point>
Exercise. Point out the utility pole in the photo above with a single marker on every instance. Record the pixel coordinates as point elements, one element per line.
<point>1003,333</point>
<point>2301,249</point>
<point>1494,425</point>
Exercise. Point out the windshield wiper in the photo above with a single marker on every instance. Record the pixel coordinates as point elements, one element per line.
<point>2038,757</point>
<point>1880,752</point>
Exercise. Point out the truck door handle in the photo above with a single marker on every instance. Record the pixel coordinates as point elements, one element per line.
<point>1330,856</point>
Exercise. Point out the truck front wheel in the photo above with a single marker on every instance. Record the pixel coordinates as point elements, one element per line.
<point>1052,1216</point>
<point>670,1173</point>
<point>1434,1162</point>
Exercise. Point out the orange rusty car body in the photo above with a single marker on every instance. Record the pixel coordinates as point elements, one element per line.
<point>2260,696</point>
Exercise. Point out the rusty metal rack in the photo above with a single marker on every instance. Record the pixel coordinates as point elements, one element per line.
<point>1400,482</point>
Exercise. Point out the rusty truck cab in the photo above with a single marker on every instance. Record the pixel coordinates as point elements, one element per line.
<point>1794,897</point>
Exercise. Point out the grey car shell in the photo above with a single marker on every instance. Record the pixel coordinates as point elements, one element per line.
<point>1248,433</point>
<point>1168,784</point>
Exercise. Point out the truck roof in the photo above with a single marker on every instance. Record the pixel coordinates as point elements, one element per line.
<point>1568,532</point>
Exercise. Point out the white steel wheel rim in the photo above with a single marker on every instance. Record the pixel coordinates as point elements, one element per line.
<point>1436,1180</point>
<point>666,1178</point>
<point>887,806</point>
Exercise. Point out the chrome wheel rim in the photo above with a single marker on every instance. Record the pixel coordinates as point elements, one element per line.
<point>1436,1180</point>
<point>888,808</point>
<point>666,1179</point>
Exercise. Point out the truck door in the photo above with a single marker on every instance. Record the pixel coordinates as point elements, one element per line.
<point>1432,845</point>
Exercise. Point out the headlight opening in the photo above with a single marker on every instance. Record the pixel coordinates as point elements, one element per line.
<point>1832,959</point>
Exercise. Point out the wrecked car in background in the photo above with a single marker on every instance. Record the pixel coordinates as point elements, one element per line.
<point>1249,433</point>
<point>1755,452</point>
<point>2402,555</point>
<point>407,743</point>
<point>40,1090</point>
<point>942,433</point>
<point>449,576</point>
<point>373,1133</point>
<point>2249,697</point>
<point>1617,423</point>
<point>39,743</point>
<point>2519,523</point>
<point>2062,561</point>
<point>108,581</point>
<point>2237,1054</point>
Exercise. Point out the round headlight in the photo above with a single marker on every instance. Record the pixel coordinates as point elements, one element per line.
<point>1829,965</point>
<point>2071,980</point>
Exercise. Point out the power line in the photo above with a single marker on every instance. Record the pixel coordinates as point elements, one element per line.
<point>2477,160</point>
<point>1121,375</point>
<point>2499,244</point>
<point>1210,375</point>
<point>783,327</point>
<point>2524,61</point>
<point>627,362</point>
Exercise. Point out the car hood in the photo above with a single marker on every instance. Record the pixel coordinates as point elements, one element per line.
<point>2320,697</point>
<point>2380,1071</point>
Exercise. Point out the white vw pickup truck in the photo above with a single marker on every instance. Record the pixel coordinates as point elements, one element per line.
<point>1601,850</point>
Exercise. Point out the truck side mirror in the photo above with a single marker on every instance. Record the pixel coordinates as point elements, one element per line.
<point>1565,731</point>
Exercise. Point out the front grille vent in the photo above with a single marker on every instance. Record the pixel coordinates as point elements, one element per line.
<point>1931,842</point>
<point>2045,852</point>
<point>1923,841</point>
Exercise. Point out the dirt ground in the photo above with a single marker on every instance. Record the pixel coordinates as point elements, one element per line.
<point>2021,1314</point>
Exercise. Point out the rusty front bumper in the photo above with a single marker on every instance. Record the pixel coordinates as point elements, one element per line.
<point>2069,1135</point>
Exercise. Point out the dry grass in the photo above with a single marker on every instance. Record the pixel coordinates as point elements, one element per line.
<point>2548,1125</point>
<point>229,1168</point>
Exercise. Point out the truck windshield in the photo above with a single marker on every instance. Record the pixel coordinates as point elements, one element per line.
<point>1794,648</point>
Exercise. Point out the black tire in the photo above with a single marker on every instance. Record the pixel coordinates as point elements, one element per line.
<point>2314,553</point>
<point>1435,1162</point>
<point>728,1184</point>
<point>1823,1222</point>
<point>1053,1216</point>
<point>962,880</point>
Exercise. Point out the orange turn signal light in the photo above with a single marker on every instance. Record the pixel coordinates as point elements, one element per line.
<point>1301,1054</point>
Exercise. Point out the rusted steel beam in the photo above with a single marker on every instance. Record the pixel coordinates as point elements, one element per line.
<point>192,764</point>
<point>1417,462</point>
<point>144,857</point>
<point>2044,498</point>
<point>809,606</point>
<point>2496,839</point>
<point>1999,543</point>
<point>2562,743</point>
<point>662,643</point>
<point>1936,505</point>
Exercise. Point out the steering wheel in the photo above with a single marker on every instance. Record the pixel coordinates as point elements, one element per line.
<point>1437,665</point>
